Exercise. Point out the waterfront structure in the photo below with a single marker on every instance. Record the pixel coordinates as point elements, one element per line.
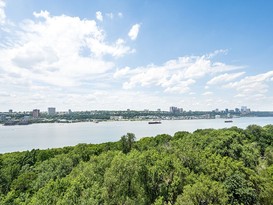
<point>52,111</point>
<point>36,113</point>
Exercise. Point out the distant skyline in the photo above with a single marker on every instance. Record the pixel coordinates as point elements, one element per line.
<point>118,54</point>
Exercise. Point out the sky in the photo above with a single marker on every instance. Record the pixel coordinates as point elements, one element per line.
<point>150,54</point>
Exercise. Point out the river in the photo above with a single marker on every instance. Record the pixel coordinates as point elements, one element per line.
<point>43,136</point>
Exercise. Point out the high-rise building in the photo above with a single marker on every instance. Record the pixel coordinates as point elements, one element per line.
<point>244,109</point>
<point>176,110</point>
<point>36,113</point>
<point>52,111</point>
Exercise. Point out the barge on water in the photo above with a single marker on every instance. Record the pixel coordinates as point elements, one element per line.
<point>154,122</point>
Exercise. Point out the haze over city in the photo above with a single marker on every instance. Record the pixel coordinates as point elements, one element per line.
<point>87,55</point>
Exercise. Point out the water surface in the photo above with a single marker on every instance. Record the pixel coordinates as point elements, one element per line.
<point>43,136</point>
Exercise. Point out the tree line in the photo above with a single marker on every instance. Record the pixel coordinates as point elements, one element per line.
<point>208,166</point>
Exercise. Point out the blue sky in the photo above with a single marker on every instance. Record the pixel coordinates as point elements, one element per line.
<point>119,54</point>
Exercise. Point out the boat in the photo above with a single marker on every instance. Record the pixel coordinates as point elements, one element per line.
<point>228,121</point>
<point>154,122</point>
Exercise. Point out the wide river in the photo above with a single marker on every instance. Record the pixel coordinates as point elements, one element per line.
<point>43,136</point>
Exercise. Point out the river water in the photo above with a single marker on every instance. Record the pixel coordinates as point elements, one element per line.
<point>43,136</point>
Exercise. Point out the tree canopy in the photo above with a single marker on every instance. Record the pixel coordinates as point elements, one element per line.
<point>225,166</point>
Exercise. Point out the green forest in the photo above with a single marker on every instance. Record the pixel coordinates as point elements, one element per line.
<point>208,166</point>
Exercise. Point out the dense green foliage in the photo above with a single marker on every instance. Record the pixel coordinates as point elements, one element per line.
<point>226,166</point>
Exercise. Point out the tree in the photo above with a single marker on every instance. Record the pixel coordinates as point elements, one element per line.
<point>127,142</point>
<point>203,192</point>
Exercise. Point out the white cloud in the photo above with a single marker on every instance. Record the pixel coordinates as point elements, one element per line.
<point>181,87</point>
<point>42,14</point>
<point>250,85</point>
<point>133,33</point>
<point>57,51</point>
<point>120,14</point>
<point>217,52</point>
<point>174,75</point>
<point>2,12</point>
<point>225,78</point>
<point>122,72</point>
<point>99,16</point>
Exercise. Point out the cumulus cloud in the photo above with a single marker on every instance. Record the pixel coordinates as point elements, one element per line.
<point>133,33</point>
<point>2,12</point>
<point>174,75</point>
<point>250,85</point>
<point>42,14</point>
<point>99,16</point>
<point>60,50</point>
<point>180,87</point>
<point>122,72</point>
<point>225,78</point>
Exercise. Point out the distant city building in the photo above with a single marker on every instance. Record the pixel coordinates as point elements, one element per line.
<point>10,110</point>
<point>2,117</point>
<point>216,110</point>
<point>226,110</point>
<point>25,118</point>
<point>217,116</point>
<point>237,110</point>
<point>244,109</point>
<point>36,113</point>
<point>52,111</point>
<point>69,112</point>
<point>158,110</point>
<point>116,117</point>
<point>176,110</point>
